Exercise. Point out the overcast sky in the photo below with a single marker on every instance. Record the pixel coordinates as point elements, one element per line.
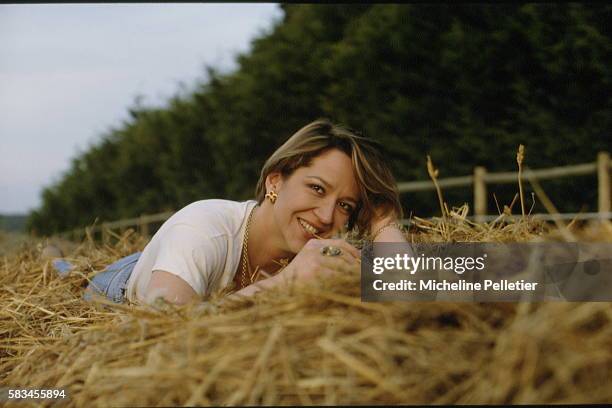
<point>69,72</point>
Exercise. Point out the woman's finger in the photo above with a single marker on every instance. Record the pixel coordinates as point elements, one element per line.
<point>347,256</point>
<point>342,268</point>
<point>341,263</point>
<point>342,244</point>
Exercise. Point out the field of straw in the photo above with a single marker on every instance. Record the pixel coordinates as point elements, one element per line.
<point>312,344</point>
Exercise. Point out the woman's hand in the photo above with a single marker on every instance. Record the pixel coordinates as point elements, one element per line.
<point>310,262</point>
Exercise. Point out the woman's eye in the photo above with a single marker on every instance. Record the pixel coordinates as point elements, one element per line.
<point>317,188</point>
<point>347,207</point>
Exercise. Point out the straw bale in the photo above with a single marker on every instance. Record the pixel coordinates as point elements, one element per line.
<point>315,343</point>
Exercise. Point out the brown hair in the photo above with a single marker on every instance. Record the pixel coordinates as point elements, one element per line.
<point>376,183</point>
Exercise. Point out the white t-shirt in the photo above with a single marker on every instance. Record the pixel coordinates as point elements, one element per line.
<point>201,244</point>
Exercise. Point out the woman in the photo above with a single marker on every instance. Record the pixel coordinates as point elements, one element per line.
<point>322,180</point>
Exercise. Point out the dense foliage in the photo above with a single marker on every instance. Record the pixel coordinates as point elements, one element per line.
<point>463,83</point>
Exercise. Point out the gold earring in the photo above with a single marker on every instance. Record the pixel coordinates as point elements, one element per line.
<point>272,196</point>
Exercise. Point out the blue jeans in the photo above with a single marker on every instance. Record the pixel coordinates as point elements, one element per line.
<point>112,282</point>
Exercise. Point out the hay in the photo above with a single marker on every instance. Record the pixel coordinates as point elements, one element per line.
<point>313,344</point>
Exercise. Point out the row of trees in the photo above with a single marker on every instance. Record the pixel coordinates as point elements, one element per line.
<point>463,83</point>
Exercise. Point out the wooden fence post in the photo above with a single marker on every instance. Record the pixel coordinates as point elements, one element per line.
<point>480,193</point>
<point>603,182</point>
<point>144,226</point>
<point>104,229</point>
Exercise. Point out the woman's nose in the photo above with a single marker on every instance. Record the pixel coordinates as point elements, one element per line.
<point>325,212</point>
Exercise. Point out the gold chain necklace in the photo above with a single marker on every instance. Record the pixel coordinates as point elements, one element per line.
<point>245,255</point>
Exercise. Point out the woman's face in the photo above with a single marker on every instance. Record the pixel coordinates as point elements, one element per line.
<point>318,199</point>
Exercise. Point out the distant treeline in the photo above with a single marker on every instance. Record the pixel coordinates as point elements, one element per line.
<point>463,83</point>
<point>13,223</point>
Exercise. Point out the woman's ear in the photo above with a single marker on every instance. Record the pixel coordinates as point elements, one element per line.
<point>274,180</point>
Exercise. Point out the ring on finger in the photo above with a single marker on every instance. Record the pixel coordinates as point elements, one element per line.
<point>331,251</point>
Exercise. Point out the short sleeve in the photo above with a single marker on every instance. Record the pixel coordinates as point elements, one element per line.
<point>190,255</point>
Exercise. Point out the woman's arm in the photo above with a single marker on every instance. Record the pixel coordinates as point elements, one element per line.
<point>169,287</point>
<point>257,286</point>
<point>387,229</point>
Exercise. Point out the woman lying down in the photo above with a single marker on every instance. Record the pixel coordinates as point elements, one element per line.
<point>324,179</point>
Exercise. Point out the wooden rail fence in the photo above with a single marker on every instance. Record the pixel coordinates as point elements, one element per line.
<point>479,180</point>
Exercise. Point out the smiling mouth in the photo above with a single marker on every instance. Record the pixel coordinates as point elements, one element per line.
<point>308,227</point>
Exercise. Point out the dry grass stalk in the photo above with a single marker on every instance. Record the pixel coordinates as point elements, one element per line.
<point>520,156</point>
<point>433,174</point>
<point>550,207</point>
